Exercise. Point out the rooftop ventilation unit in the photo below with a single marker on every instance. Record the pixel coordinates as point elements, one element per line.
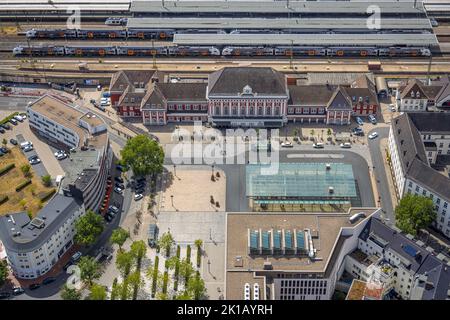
<point>38,223</point>
<point>330,190</point>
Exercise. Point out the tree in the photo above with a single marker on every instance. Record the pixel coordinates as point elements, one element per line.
<point>115,290</point>
<point>135,282</point>
<point>70,293</point>
<point>312,132</point>
<point>144,155</point>
<point>185,295</point>
<point>329,132</point>
<point>166,242</point>
<point>26,170</point>
<point>414,212</point>
<point>89,269</point>
<point>3,271</point>
<point>196,287</point>
<point>186,269</point>
<point>138,249</point>
<point>119,236</point>
<point>47,180</point>
<point>98,292</point>
<point>4,142</point>
<point>88,227</point>
<point>124,261</point>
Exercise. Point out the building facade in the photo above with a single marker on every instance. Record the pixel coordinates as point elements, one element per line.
<point>418,142</point>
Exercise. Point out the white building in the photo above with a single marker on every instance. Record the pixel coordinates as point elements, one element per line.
<point>391,260</point>
<point>34,246</point>
<point>417,142</point>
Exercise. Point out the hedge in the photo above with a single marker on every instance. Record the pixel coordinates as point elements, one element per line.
<point>7,168</point>
<point>177,269</point>
<point>188,254</point>
<point>165,281</point>
<point>23,185</point>
<point>5,120</point>
<point>199,256</point>
<point>3,199</point>
<point>47,195</point>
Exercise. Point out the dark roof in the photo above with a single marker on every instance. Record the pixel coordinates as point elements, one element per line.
<point>129,77</point>
<point>183,91</point>
<point>130,93</point>
<point>415,86</point>
<point>54,214</point>
<point>340,100</point>
<point>431,122</point>
<point>423,262</point>
<point>367,95</point>
<point>310,95</point>
<point>262,81</point>
<point>412,152</point>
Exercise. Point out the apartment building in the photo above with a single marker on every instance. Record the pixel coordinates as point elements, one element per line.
<point>419,145</point>
<point>415,95</point>
<point>34,246</point>
<point>393,261</point>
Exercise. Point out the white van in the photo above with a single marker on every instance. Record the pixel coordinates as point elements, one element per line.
<point>25,144</point>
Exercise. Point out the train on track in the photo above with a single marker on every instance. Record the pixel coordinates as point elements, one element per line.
<point>192,51</point>
<point>161,34</point>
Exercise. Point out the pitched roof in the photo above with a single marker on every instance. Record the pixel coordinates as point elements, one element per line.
<point>131,93</point>
<point>340,100</point>
<point>411,149</point>
<point>262,81</point>
<point>183,91</point>
<point>130,77</point>
<point>310,95</point>
<point>423,262</point>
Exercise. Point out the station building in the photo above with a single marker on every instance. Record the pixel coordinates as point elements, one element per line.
<point>34,246</point>
<point>239,97</point>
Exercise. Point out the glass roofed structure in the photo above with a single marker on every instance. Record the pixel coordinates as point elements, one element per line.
<point>302,184</point>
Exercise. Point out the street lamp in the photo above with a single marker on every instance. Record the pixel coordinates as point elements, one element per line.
<point>175,169</point>
<point>171,198</point>
<point>212,169</point>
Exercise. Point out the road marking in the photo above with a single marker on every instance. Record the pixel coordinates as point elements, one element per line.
<point>324,155</point>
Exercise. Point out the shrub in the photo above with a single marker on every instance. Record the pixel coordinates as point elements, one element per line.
<point>47,180</point>
<point>199,257</point>
<point>165,281</point>
<point>47,195</point>
<point>5,120</point>
<point>7,168</point>
<point>23,185</point>
<point>188,253</point>
<point>155,276</point>
<point>3,199</point>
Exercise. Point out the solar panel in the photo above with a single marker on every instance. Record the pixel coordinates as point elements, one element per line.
<point>410,250</point>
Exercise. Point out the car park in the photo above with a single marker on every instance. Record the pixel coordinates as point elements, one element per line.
<point>48,280</point>
<point>13,142</point>
<point>346,145</point>
<point>76,256</point>
<point>138,196</point>
<point>6,126</point>
<point>373,135</point>
<point>118,190</point>
<point>17,291</point>
<point>372,119</point>
<point>359,121</point>
<point>318,145</point>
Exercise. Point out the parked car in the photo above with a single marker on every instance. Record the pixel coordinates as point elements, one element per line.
<point>13,142</point>
<point>118,179</point>
<point>372,119</point>
<point>48,280</point>
<point>358,131</point>
<point>34,160</point>
<point>113,209</point>
<point>28,148</point>
<point>152,235</point>
<point>34,286</point>
<point>67,265</point>
<point>76,256</point>
<point>359,121</point>
<point>373,135</point>
<point>118,190</point>
<point>120,185</point>
<point>140,190</point>
<point>109,217</point>
<point>318,145</point>
<point>13,121</point>
<point>4,149</point>
<point>92,101</point>
<point>4,295</point>
<point>25,144</point>
<point>121,168</point>
<point>17,291</point>
<point>138,196</point>
<point>346,145</point>
<point>18,118</point>
<point>2,130</point>
<point>6,126</point>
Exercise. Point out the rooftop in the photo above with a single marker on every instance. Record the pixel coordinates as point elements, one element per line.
<point>361,290</point>
<point>19,233</point>
<point>328,227</point>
